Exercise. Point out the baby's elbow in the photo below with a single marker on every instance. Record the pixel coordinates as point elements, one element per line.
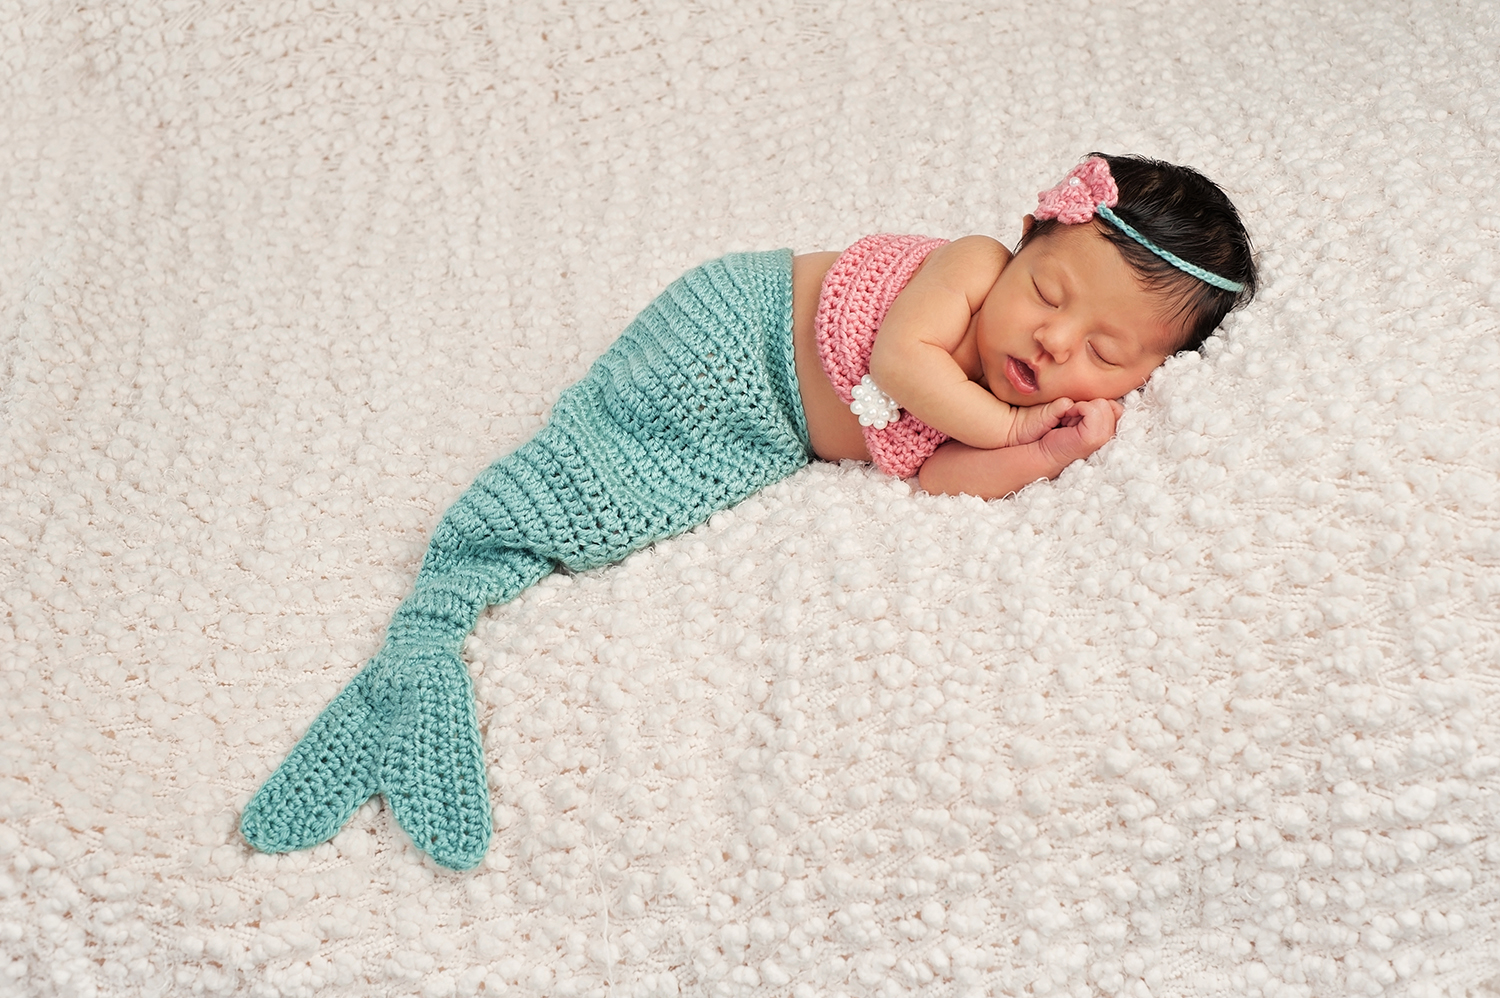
<point>935,477</point>
<point>924,479</point>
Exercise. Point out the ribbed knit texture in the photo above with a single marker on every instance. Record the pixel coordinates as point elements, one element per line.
<point>695,407</point>
<point>858,291</point>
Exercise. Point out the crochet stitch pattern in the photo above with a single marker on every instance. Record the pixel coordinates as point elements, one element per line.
<point>694,408</point>
<point>857,292</point>
<point>1215,712</point>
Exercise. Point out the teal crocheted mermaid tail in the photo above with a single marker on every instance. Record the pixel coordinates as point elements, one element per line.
<point>694,408</point>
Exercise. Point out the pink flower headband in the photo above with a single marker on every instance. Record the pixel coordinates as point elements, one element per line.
<point>1089,190</point>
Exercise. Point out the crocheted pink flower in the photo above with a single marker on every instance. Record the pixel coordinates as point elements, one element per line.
<point>1087,185</point>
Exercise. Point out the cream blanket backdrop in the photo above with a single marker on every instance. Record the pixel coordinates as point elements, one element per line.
<point>1215,713</point>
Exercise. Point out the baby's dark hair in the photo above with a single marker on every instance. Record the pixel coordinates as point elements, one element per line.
<point>1185,213</point>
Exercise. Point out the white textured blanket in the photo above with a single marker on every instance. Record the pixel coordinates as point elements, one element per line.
<point>1212,714</point>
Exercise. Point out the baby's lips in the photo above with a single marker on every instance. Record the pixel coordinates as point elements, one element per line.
<point>1021,377</point>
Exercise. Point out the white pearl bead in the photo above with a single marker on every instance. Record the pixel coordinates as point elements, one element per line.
<point>873,406</point>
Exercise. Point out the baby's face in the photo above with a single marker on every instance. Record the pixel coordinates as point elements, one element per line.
<point>1068,318</point>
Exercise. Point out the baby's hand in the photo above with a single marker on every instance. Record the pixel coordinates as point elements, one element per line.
<point>1032,422</point>
<point>1082,429</point>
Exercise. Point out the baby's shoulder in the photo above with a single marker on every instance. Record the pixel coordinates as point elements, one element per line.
<point>968,261</point>
<point>980,249</point>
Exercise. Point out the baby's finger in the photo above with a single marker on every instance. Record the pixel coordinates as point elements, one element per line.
<point>1056,410</point>
<point>1102,409</point>
<point>1082,411</point>
<point>1099,425</point>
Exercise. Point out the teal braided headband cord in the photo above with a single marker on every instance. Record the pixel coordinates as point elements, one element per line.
<point>1206,276</point>
<point>1090,190</point>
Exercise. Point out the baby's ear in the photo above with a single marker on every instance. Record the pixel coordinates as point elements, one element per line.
<point>1027,221</point>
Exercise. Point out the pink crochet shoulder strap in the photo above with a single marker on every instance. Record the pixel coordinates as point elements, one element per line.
<point>857,292</point>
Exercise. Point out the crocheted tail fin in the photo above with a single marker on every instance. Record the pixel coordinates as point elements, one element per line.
<point>405,726</point>
<point>433,773</point>
<point>331,771</point>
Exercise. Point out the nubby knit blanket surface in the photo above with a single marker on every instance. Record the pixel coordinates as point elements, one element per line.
<point>694,408</point>
<point>857,292</point>
<point>1214,714</point>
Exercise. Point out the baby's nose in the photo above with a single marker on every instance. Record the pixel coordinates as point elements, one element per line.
<point>1056,342</point>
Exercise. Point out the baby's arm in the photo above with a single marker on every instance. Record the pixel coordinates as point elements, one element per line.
<point>913,362</point>
<point>990,474</point>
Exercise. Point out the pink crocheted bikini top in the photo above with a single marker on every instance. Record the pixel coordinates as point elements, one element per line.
<point>857,292</point>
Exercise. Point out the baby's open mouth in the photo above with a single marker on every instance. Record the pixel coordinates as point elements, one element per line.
<point>1020,375</point>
